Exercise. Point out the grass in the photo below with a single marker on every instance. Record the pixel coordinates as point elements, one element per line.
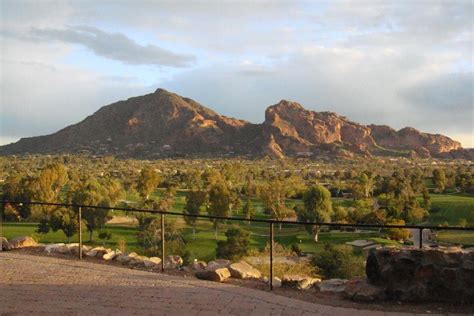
<point>203,245</point>
<point>451,208</point>
<point>460,237</point>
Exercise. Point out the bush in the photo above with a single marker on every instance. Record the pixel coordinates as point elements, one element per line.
<point>236,246</point>
<point>339,262</point>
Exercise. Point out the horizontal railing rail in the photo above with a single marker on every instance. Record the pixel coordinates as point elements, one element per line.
<point>271,223</point>
<point>255,220</point>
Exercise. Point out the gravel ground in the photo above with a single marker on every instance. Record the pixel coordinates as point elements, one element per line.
<point>51,285</point>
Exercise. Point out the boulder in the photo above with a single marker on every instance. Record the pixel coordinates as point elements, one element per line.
<point>332,285</point>
<point>111,255</point>
<point>138,261</point>
<point>196,266</point>
<point>218,263</point>
<point>217,275</point>
<point>22,242</point>
<point>359,289</point>
<point>97,252</point>
<point>152,262</point>
<point>299,282</point>
<point>4,245</point>
<point>74,249</point>
<point>125,259</point>
<point>173,262</point>
<point>243,270</point>
<point>52,247</point>
<point>276,281</point>
<point>64,249</point>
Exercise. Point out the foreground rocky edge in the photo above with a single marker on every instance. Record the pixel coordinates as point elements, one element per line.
<point>406,274</point>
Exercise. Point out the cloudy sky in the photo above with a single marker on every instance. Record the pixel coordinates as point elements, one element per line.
<point>400,63</point>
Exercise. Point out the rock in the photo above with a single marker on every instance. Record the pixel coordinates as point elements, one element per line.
<point>52,247</point>
<point>299,282</point>
<point>359,289</point>
<point>197,266</point>
<point>111,255</point>
<point>22,242</point>
<point>468,265</point>
<point>97,252</point>
<point>243,270</point>
<point>4,245</point>
<point>173,262</point>
<point>137,261</point>
<point>64,249</point>
<point>218,263</point>
<point>74,249</point>
<point>332,285</point>
<point>217,275</point>
<point>276,281</point>
<point>152,262</point>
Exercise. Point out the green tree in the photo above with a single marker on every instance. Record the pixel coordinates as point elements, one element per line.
<point>439,180</point>
<point>273,195</point>
<point>317,208</point>
<point>219,202</point>
<point>147,182</point>
<point>66,220</point>
<point>235,246</point>
<point>93,193</point>
<point>248,210</point>
<point>194,201</point>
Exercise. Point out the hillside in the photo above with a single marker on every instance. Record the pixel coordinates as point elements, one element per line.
<point>164,124</point>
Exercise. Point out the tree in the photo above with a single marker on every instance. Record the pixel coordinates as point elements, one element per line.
<point>194,200</point>
<point>248,210</point>
<point>397,233</point>
<point>317,208</point>
<point>273,195</point>
<point>93,193</point>
<point>66,220</point>
<point>147,182</point>
<point>219,202</point>
<point>439,180</point>
<point>235,246</point>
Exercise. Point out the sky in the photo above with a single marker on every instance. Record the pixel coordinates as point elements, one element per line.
<point>399,63</point>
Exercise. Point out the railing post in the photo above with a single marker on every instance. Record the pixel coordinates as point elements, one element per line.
<point>271,256</point>
<point>80,233</point>
<point>162,242</point>
<point>421,238</point>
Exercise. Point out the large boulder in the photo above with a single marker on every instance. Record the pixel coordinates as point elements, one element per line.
<point>97,252</point>
<point>359,289</point>
<point>111,255</point>
<point>125,259</point>
<point>332,285</point>
<point>196,266</point>
<point>218,263</point>
<point>243,270</point>
<point>173,262</point>
<point>4,245</point>
<point>152,262</point>
<point>299,282</point>
<point>138,261</point>
<point>217,275</point>
<point>22,242</point>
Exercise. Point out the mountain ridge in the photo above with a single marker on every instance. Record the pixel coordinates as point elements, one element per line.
<point>164,124</point>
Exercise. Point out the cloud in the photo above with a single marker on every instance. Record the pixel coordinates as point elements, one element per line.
<point>115,46</point>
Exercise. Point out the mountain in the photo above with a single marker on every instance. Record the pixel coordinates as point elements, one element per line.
<point>164,124</point>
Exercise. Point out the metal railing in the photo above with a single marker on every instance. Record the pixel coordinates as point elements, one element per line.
<point>270,222</point>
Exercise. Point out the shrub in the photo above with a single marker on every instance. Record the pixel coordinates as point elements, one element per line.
<point>339,262</point>
<point>236,246</point>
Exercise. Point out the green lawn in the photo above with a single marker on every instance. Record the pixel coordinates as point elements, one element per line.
<point>203,246</point>
<point>451,208</point>
<point>457,237</point>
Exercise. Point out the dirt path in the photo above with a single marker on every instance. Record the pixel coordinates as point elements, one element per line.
<point>49,285</point>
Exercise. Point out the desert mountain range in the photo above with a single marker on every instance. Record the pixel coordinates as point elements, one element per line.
<point>164,124</point>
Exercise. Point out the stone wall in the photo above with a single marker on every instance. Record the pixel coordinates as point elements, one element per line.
<point>412,274</point>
